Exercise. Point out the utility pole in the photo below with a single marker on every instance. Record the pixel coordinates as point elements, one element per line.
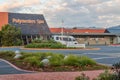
<point>62,27</point>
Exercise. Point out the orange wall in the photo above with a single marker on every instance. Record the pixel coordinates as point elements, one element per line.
<point>3,19</point>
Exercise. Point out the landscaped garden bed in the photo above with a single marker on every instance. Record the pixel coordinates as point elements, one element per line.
<point>38,43</point>
<point>54,62</point>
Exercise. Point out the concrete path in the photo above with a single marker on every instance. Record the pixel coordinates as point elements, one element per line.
<point>7,68</point>
<point>50,75</point>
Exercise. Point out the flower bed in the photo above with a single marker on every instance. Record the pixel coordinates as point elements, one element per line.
<point>56,62</point>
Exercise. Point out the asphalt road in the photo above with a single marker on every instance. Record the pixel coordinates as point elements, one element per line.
<point>5,68</point>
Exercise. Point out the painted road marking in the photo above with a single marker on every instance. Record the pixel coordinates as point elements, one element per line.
<point>103,58</point>
<point>106,54</point>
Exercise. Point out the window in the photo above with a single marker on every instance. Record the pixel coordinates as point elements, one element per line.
<point>57,38</point>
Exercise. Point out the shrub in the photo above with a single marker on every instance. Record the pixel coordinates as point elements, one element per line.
<point>7,54</point>
<point>74,60</point>
<point>106,76</point>
<point>57,45</point>
<point>38,43</point>
<point>84,60</point>
<point>56,60</point>
<point>45,45</point>
<point>82,77</point>
<point>26,54</point>
<point>71,60</point>
<point>51,41</point>
<point>116,69</point>
<point>10,35</point>
<point>39,55</point>
<point>32,61</point>
<point>18,42</point>
<point>37,40</point>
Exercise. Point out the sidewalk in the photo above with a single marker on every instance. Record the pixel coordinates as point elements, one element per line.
<point>50,75</point>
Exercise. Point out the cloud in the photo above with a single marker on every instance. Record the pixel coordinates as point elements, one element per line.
<point>109,7</point>
<point>81,13</point>
<point>84,13</point>
<point>88,2</point>
<point>67,10</point>
<point>109,20</point>
<point>16,5</point>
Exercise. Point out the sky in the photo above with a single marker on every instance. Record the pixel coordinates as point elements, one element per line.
<point>69,13</point>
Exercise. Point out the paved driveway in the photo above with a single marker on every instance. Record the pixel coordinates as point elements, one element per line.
<point>6,68</point>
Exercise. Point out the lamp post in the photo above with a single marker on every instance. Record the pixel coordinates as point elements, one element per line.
<point>62,28</point>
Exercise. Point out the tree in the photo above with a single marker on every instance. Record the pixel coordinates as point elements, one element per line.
<point>11,36</point>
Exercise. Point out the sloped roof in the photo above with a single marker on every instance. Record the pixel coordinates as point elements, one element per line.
<point>84,30</point>
<point>114,29</point>
<point>30,28</point>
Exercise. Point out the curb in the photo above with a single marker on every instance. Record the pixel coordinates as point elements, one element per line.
<point>58,49</point>
<point>15,66</point>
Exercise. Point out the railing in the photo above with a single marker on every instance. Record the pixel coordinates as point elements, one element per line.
<point>76,45</point>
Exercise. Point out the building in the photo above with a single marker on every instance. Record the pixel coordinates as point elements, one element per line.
<point>88,36</point>
<point>35,26</point>
<point>115,30</point>
<point>31,25</point>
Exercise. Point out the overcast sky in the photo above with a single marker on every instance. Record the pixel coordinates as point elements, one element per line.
<point>74,13</point>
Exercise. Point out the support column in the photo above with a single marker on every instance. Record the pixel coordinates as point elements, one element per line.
<point>36,37</point>
<point>27,40</point>
<point>39,36</point>
<point>118,39</point>
<point>22,40</point>
<point>31,38</point>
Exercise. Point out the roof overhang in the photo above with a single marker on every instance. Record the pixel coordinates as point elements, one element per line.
<point>88,34</point>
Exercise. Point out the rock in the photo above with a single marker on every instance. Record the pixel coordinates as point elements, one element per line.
<point>45,62</point>
<point>48,57</point>
<point>17,54</point>
<point>65,57</point>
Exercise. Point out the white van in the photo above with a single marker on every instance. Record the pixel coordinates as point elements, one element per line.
<point>69,41</point>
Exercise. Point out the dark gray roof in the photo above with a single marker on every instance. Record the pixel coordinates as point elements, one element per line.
<point>30,28</point>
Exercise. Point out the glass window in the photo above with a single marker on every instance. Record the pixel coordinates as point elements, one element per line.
<point>57,38</point>
<point>66,39</point>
